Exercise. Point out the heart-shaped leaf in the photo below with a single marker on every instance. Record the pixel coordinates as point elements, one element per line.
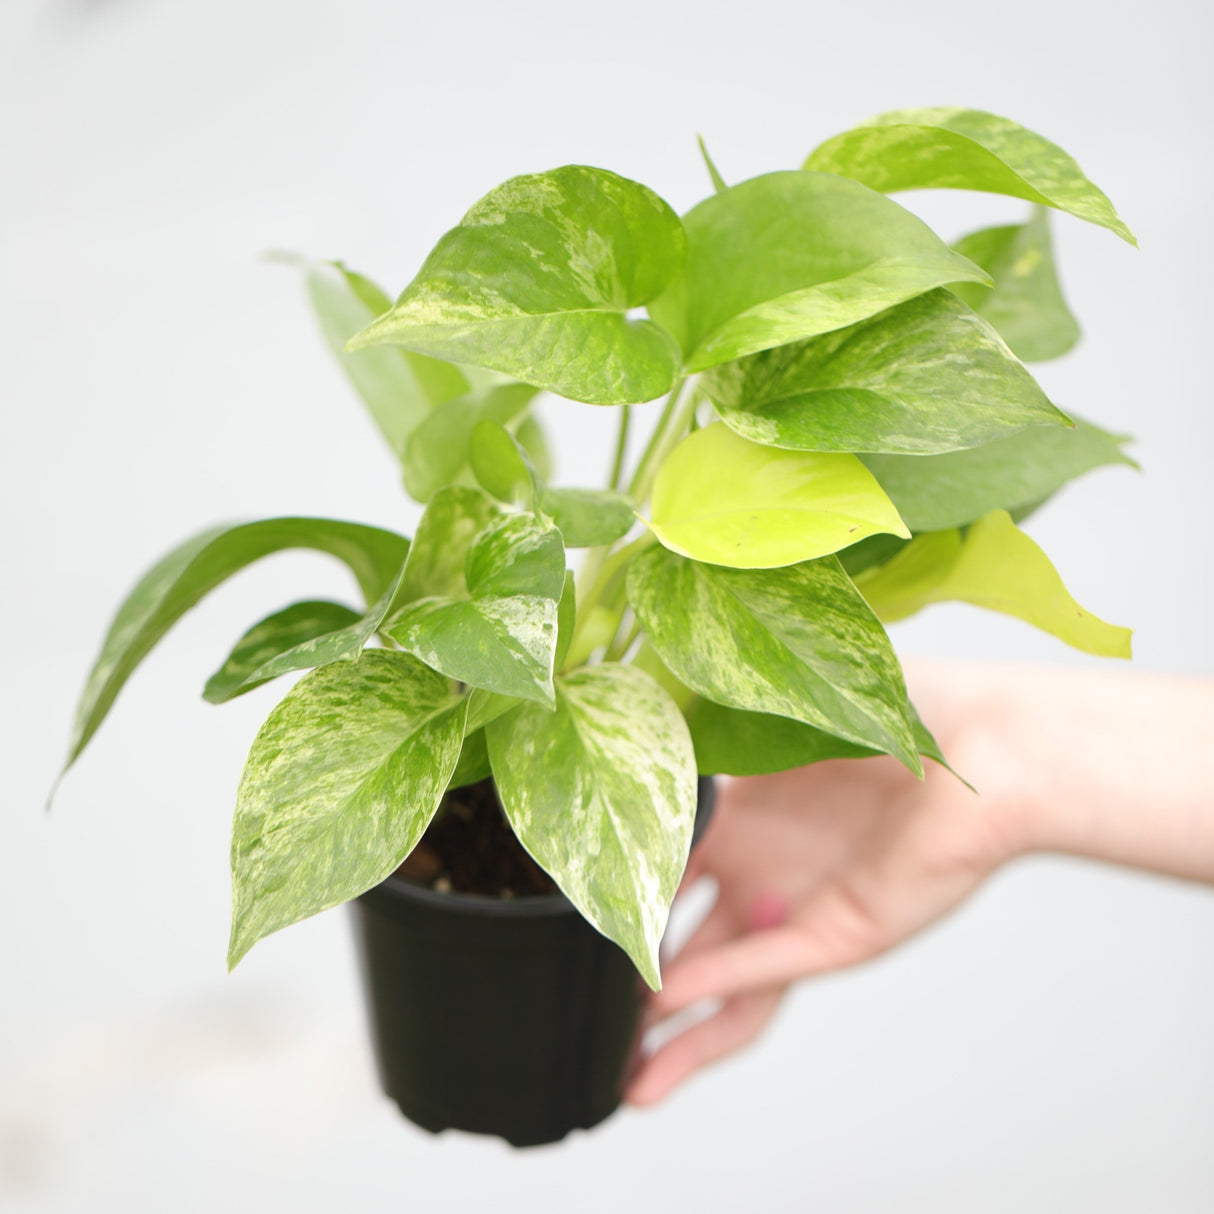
<point>790,255</point>
<point>397,386</point>
<point>798,642</point>
<point>952,148</point>
<point>933,492</point>
<point>723,499</point>
<point>438,451</point>
<point>1026,304</point>
<point>994,565</point>
<point>271,638</point>
<point>536,281</point>
<point>602,793</point>
<point>172,586</point>
<point>341,783</point>
<point>925,376</point>
<point>496,627</point>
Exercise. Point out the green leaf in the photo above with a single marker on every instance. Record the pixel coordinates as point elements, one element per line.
<point>927,376</point>
<point>438,451</point>
<point>995,566</point>
<point>723,499</point>
<point>498,630</point>
<point>952,148</point>
<point>447,530</point>
<point>473,765</point>
<point>398,387</point>
<point>536,282</point>
<point>1026,304</point>
<point>270,638</point>
<point>718,182</point>
<point>797,642</point>
<point>731,742</point>
<point>532,438</point>
<point>933,492</point>
<point>341,783</point>
<point>566,619</point>
<point>588,518</point>
<point>172,586</point>
<point>790,255</point>
<point>501,465</point>
<point>602,793</point>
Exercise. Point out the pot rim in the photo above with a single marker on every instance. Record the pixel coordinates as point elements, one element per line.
<point>534,906</point>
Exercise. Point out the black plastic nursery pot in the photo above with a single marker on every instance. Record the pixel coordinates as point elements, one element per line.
<point>507,1017</point>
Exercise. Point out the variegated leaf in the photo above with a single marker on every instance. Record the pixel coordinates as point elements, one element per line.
<point>342,780</point>
<point>602,793</point>
<point>933,492</point>
<point>948,147</point>
<point>994,565</point>
<point>796,642</point>
<point>537,280</point>
<point>398,387</point>
<point>787,256</point>
<point>926,376</point>
<point>172,586</point>
<point>1025,305</point>
<point>721,498</point>
<point>271,638</point>
<point>499,630</point>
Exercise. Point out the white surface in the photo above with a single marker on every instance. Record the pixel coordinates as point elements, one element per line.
<point>1048,1049</point>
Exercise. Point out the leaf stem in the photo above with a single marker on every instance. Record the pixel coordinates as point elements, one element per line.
<point>621,444</point>
<point>643,476</point>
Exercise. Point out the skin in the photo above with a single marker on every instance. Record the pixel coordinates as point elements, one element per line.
<point>832,865</point>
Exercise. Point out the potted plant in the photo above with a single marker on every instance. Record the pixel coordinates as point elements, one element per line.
<point>500,759</point>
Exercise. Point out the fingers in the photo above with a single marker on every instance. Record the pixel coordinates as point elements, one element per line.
<point>735,1025</point>
<point>771,958</point>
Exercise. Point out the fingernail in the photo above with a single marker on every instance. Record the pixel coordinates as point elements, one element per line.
<point>768,910</point>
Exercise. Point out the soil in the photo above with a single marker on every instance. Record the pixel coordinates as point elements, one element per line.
<point>470,848</point>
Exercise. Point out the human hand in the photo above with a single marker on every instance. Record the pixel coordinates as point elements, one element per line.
<point>816,869</point>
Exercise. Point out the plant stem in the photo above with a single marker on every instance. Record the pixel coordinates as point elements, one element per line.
<point>621,443</point>
<point>622,644</point>
<point>643,476</point>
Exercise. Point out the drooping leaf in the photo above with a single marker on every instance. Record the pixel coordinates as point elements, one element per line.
<point>536,282</point>
<point>586,517</point>
<point>790,255</point>
<point>1026,304</point>
<point>926,376</point>
<point>797,642</point>
<point>172,586</point>
<point>934,492</point>
<point>397,386</point>
<point>340,784</point>
<point>720,498</point>
<point>270,638</point>
<point>437,452</point>
<point>602,793</point>
<point>949,147</point>
<point>496,630</point>
<point>994,565</point>
<point>729,741</point>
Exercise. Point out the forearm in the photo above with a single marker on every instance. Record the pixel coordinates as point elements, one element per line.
<point>1113,765</point>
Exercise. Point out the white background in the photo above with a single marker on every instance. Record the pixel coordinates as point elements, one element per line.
<point>1047,1049</point>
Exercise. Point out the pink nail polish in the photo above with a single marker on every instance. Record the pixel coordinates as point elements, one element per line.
<point>769,910</point>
